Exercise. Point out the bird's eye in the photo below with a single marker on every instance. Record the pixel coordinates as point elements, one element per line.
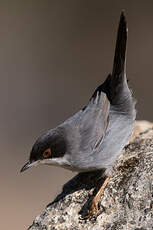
<point>47,153</point>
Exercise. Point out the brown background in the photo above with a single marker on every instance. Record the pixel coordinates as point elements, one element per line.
<point>52,56</point>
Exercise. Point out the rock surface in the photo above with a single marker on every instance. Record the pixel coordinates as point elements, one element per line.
<point>127,202</point>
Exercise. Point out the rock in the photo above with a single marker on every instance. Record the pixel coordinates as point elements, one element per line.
<point>140,127</point>
<point>127,202</point>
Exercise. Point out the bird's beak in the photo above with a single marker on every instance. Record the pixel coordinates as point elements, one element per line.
<point>29,165</point>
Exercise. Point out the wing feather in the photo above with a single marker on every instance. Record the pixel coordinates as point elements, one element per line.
<point>94,122</point>
<point>86,129</point>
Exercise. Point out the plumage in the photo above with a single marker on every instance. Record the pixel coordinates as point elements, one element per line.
<point>94,137</point>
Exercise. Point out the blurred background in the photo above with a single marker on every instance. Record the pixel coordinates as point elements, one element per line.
<point>53,54</point>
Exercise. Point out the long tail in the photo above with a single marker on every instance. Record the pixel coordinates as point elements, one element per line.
<point>115,85</point>
<point>120,50</point>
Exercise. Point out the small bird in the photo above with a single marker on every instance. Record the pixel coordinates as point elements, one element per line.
<point>93,138</point>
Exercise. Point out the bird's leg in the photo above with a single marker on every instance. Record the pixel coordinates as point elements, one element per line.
<point>94,204</point>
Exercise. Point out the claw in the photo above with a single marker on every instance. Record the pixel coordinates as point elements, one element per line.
<point>94,205</point>
<point>94,208</point>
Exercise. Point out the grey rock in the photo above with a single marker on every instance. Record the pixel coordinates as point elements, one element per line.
<point>127,202</point>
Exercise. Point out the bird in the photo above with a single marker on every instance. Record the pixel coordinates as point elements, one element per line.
<point>94,137</point>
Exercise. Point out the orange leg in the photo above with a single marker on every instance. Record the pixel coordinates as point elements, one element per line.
<point>94,205</point>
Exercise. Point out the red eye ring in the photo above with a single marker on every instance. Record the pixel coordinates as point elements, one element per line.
<point>47,153</point>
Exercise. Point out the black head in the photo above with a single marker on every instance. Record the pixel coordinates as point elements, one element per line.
<point>49,146</point>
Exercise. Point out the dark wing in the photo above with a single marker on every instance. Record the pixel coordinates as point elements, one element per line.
<point>87,128</point>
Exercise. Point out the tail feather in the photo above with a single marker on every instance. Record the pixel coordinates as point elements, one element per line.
<point>120,50</point>
<point>115,85</point>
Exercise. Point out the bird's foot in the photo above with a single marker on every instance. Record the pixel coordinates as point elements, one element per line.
<point>94,205</point>
<point>93,209</point>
